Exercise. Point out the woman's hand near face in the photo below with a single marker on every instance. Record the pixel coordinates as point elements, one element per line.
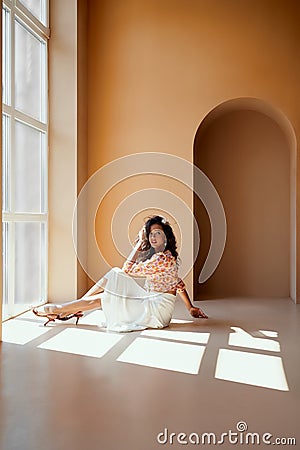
<point>142,233</point>
<point>142,237</point>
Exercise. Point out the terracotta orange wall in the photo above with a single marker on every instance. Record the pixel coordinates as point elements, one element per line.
<point>156,68</point>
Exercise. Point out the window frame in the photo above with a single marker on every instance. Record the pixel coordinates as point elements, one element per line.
<point>19,13</point>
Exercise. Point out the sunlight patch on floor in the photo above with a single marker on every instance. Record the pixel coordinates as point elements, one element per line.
<point>250,368</point>
<point>240,338</point>
<point>93,318</point>
<point>173,356</point>
<point>185,336</point>
<point>269,333</point>
<point>82,342</point>
<point>16,331</point>
<point>180,321</point>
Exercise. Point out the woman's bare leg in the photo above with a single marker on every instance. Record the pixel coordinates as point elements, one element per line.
<point>74,306</point>
<point>96,289</point>
<point>91,300</point>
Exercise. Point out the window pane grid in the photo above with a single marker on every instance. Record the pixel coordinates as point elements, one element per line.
<point>27,262</point>
<point>30,169</point>
<point>22,117</point>
<point>20,10</point>
<point>5,262</point>
<point>36,8</point>
<point>44,265</point>
<point>25,144</point>
<point>44,172</point>
<point>30,72</point>
<point>6,43</point>
<point>6,160</point>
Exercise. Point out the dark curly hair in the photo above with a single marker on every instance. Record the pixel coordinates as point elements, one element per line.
<point>167,229</point>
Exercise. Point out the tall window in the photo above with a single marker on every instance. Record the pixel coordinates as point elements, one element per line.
<point>25,148</point>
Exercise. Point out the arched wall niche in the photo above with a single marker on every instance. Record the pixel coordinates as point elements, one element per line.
<point>247,148</point>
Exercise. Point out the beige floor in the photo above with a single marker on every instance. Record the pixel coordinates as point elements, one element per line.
<point>109,396</point>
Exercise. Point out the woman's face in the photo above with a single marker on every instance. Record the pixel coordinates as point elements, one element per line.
<point>157,237</point>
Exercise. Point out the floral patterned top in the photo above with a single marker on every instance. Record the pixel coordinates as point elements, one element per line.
<point>161,272</point>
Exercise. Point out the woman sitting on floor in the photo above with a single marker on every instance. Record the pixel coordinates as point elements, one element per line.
<point>126,305</point>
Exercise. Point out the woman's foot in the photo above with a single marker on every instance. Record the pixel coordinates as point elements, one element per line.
<point>50,312</point>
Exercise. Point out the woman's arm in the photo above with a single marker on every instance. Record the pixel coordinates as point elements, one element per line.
<point>138,247</point>
<point>193,310</point>
<point>134,254</point>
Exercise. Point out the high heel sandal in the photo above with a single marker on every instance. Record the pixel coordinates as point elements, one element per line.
<point>53,317</point>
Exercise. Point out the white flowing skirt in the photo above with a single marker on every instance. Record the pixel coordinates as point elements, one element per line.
<point>129,307</point>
